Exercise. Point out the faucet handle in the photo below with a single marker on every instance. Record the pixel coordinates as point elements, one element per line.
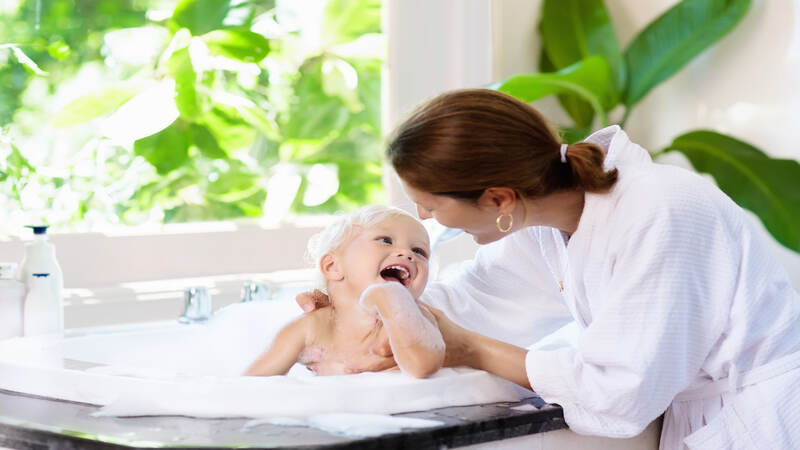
<point>197,305</point>
<point>255,292</point>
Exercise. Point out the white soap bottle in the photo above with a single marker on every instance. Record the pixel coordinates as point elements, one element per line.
<point>12,299</point>
<point>39,315</point>
<point>40,258</point>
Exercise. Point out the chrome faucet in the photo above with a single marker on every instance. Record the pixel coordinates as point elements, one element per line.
<point>197,305</point>
<point>256,292</point>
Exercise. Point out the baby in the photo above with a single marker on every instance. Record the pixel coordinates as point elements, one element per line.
<point>374,265</point>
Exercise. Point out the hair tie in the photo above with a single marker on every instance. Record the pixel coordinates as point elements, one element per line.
<point>564,153</point>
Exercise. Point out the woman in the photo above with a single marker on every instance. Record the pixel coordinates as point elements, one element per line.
<point>683,311</point>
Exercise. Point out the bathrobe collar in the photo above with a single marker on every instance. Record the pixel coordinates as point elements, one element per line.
<point>620,150</point>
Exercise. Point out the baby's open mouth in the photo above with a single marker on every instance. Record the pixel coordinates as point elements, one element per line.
<point>396,273</point>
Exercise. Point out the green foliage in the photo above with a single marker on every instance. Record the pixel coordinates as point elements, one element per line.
<point>166,150</point>
<point>201,16</point>
<point>243,45</point>
<point>250,92</point>
<point>590,80</point>
<point>574,30</point>
<point>577,35</point>
<point>675,38</point>
<point>764,185</point>
<point>96,104</point>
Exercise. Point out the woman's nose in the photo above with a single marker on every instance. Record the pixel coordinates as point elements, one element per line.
<point>423,213</point>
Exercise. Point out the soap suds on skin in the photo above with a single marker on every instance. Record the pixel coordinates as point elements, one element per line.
<point>407,319</point>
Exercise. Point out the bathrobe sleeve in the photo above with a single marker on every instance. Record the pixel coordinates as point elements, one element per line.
<point>668,271</point>
<point>505,292</point>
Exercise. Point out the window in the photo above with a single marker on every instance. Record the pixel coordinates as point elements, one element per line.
<point>134,113</point>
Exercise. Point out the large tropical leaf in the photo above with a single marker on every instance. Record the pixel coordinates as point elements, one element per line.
<point>579,110</point>
<point>672,40</point>
<point>768,187</point>
<point>589,79</point>
<point>573,30</point>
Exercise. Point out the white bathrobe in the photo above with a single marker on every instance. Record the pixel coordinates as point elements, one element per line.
<point>682,309</point>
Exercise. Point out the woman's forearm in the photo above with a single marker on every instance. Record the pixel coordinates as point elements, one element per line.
<point>496,357</point>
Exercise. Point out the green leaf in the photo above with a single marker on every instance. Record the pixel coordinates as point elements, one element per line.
<point>590,79</point>
<point>579,110</point>
<point>358,146</point>
<point>675,38</point>
<point>206,142</point>
<point>166,150</point>
<point>573,30</point>
<point>17,163</point>
<point>313,114</point>
<point>182,70</point>
<point>766,186</point>
<point>347,20</point>
<point>201,16</point>
<point>243,45</point>
<point>229,128</point>
<point>234,184</point>
<point>369,94</point>
<point>570,135</point>
<point>96,104</point>
<point>256,117</point>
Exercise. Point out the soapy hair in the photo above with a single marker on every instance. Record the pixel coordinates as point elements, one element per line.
<point>464,141</point>
<point>341,230</point>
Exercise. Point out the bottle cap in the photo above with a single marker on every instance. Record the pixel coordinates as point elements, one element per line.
<point>7,270</point>
<point>38,229</point>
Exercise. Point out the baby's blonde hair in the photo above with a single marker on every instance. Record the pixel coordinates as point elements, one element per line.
<point>340,230</point>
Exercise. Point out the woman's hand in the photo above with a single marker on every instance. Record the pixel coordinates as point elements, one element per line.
<point>309,301</point>
<point>457,340</point>
<point>468,348</point>
<point>380,355</point>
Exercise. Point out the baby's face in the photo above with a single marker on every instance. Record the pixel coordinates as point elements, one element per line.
<point>395,249</point>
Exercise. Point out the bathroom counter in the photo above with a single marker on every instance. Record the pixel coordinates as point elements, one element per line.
<point>29,422</point>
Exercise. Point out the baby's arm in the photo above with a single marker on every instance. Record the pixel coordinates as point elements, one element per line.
<point>415,339</point>
<point>283,352</point>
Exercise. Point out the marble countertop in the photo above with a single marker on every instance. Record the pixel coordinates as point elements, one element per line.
<point>30,422</point>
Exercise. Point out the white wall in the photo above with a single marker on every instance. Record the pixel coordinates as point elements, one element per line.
<point>747,85</point>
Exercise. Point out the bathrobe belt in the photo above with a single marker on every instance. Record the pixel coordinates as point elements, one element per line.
<point>756,375</point>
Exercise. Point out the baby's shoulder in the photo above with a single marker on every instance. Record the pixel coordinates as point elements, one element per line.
<point>318,324</point>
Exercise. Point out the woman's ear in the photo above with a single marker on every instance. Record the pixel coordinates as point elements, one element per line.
<point>329,266</point>
<point>502,199</point>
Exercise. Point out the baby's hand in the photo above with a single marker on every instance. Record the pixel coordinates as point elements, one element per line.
<point>379,295</point>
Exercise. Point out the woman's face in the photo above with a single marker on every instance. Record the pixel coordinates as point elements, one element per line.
<point>476,219</point>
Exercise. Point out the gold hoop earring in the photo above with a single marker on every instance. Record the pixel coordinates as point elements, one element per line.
<point>510,223</point>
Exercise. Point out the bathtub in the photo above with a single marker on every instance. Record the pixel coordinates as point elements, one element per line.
<point>194,370</point>
<point>171,369</point>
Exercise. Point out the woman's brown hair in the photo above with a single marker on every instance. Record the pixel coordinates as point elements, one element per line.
<point>462,142</point>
